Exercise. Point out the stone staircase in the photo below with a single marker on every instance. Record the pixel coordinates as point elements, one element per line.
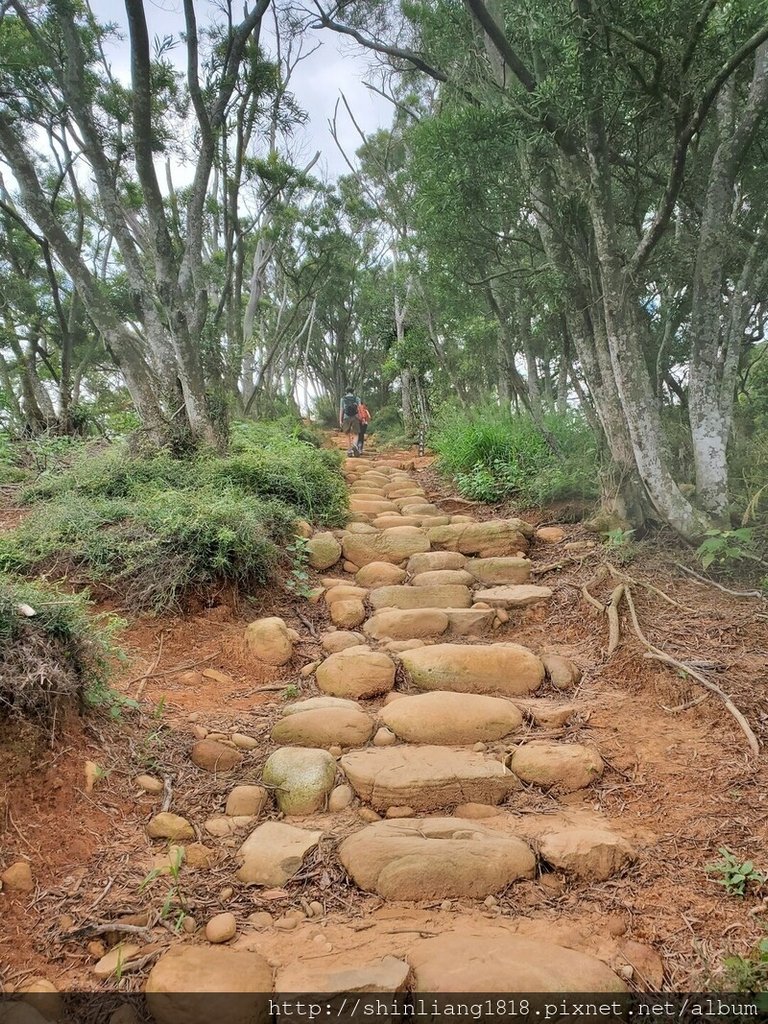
<point>420,756</point>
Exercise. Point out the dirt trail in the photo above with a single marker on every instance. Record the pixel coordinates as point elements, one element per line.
<point>453,809</point>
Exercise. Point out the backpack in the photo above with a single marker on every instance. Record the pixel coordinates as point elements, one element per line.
<point>350,406</point>
<point>363,414</point>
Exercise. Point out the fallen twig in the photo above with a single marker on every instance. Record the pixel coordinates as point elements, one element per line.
<point>614,626</point>
<point>713,583</point>
<point>172,671</point>
<point>658,655</point>
<point>167,793</point>
<point>307,622</point>
<point>592,600</point>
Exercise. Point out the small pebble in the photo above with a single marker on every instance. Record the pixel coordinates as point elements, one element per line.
<point>368,814</point>
<point>335,751</point>
<point>286,924</point>
<point>319,940</point>
<point>189,924</point>
<point>221,928</point>
<point>226,893</point>
<point>340,798</point>
<point>317,908</point>
<point>243,741</point>
<point>479,747</point>
<point>490,901</point>
<point>626,972</point>
<point>384,738</point>
<point>199,732</point>
<point>299,915</point>
<point>18,877</point>
<point>309,669</point>
<point>149,783</point>
<point>445,905</point>
<point>218,736</point>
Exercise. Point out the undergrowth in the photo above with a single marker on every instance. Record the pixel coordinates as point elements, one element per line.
<point>151,529</point>
<point>51,650</point>
<point>494,456</point>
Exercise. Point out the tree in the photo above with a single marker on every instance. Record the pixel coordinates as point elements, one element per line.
<point>65,92</point>
<point>629,136</point>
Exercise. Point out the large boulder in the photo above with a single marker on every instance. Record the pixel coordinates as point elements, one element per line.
<point>301,777</point>
<point>501,962</point>
<point>495,571</point>
<point>323,551</point>
<point>513,596</point>
<point>324,727</point>
<point>199,984</point>
<point>451,718</point>
<point>396,624</point>
<point>494,668</point>
<point>269,640</point>
<point>356,672</point>
<point>491,539</point>
<point>435,561</point>
<point>380,574</point>
<point>426,778</point>
<point>594,854</point>
<point>274,852</point>
<point>565,766</point>
<point>434,858</point>
<point>394,545</point>
<point>421,597</point>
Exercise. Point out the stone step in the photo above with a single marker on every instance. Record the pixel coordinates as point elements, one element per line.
<point>434,858</point>
<point>405,597</point>
<point>520,596</point>
<point>421,623</point>
<point>442,717</point>
<point>506,669</point>
<point>426,778</point>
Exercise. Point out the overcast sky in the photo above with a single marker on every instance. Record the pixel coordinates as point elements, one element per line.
<point>338,65</point>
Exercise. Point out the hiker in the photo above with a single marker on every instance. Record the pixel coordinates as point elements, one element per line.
<point>349,420</point>
<point>365,418</point>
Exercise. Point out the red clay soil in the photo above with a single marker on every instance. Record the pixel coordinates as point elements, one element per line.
<point>680,779</point>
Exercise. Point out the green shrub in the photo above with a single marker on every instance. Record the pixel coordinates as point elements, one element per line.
<point>154,528</point>
<point>494,456</point>
<point>55,654</point>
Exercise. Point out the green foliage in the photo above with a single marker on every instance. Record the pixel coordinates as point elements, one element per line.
<point>298,580</point>
<point>59,652</point>
<point>747,974</point>
<point>724,547</point>
<point>734,875</point>
<point>494,456</point>
<point>153,528</point>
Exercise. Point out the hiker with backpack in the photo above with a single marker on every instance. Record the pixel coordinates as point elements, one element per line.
<point>353,421</point>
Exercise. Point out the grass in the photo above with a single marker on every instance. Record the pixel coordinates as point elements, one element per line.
<point>152,529</point>
<point>495,456</point>
<point>51,650</point>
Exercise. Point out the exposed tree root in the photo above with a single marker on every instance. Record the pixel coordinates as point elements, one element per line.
<point>658,655</point>
<point>611,610</point>
<point>726,590</point>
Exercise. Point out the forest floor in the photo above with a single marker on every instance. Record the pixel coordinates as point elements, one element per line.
<point>679,782</point>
